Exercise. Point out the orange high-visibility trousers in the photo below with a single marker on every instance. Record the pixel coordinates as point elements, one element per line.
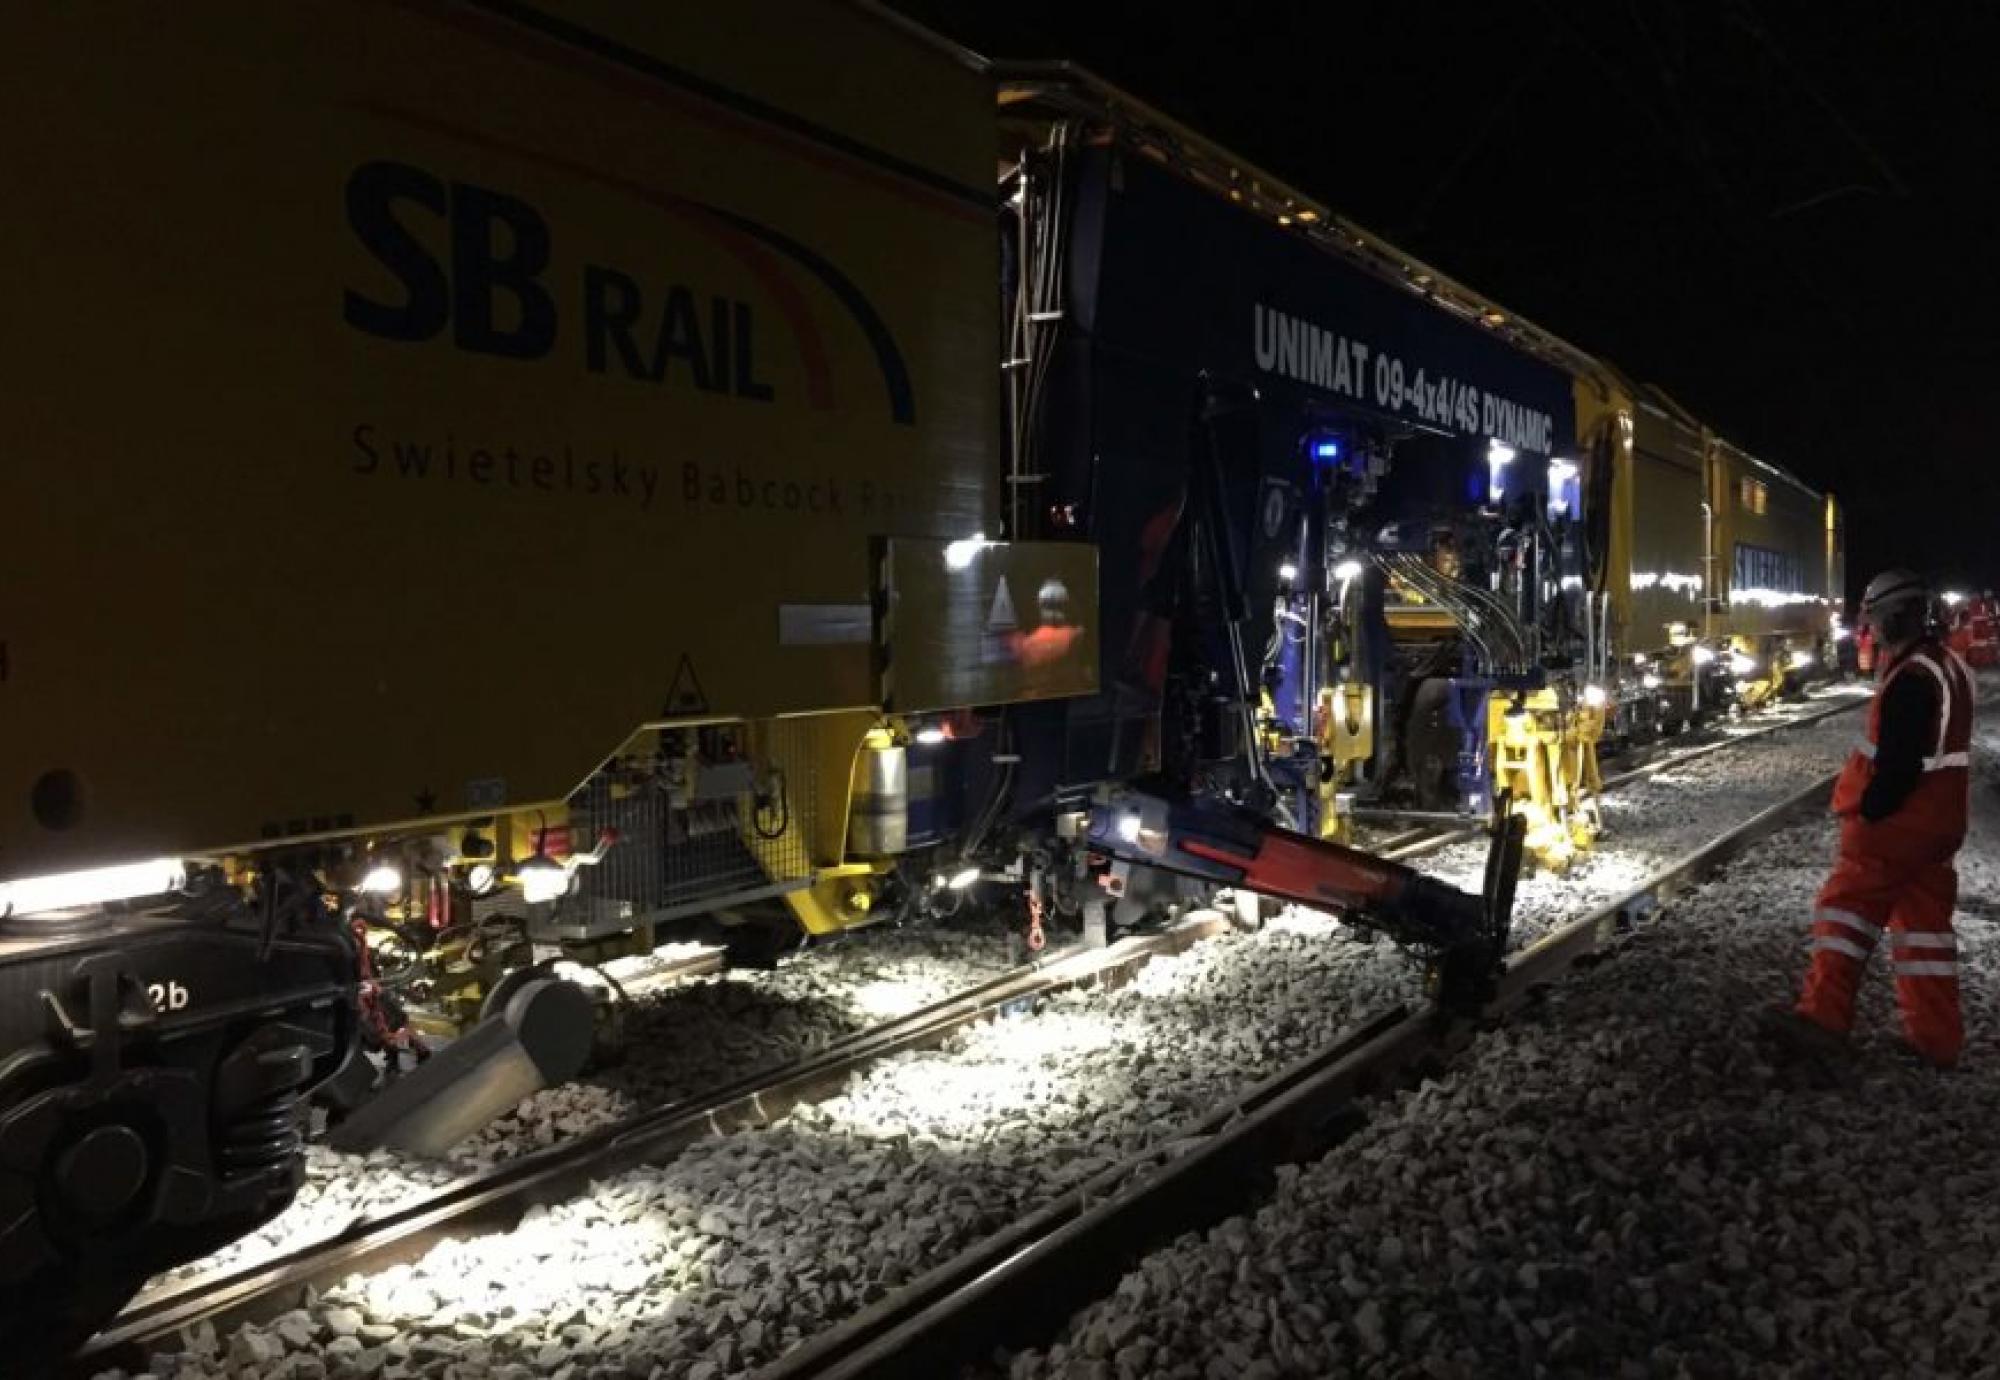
<point>1913,901</point>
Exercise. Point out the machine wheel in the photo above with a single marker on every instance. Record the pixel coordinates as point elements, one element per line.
<point>1430,746</point>
<point>60,1304</point>
<point>105,1184</point>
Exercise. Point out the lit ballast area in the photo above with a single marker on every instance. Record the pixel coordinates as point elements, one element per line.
<point>1626,1181</point>
<point>745,1244</point>
<point>680,1039</point>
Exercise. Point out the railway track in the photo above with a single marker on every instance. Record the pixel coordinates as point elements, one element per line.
<point>496,1199</point>
<point>1017,1287</point>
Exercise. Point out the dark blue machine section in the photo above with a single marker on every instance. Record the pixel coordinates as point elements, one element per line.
<point>1188,278</point>
<point>1205,356</point>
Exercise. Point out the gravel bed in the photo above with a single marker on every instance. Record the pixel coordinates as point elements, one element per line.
<point>698,1034</point>
<point>719,1261</point>
<point>680,1040</point>
<point>745,1244</point>
<point>1625,1182</point>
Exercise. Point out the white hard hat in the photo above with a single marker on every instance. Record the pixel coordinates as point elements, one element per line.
<point>1891,589</point>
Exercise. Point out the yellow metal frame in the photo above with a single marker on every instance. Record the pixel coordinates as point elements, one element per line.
<point>1545,757</point>
<point>1345,728</point>
<point>1767,683</point>
<point>843,892</point>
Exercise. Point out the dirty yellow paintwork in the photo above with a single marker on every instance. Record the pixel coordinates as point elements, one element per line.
<point>1545,758</point>
<point>272,574</point>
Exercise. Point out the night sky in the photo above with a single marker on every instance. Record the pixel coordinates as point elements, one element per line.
<point>1782,215</point>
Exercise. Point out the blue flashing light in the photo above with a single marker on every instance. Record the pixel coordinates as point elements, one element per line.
<point>1326,450</point>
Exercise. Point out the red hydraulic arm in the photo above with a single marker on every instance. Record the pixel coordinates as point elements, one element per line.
<point>1463,934</point>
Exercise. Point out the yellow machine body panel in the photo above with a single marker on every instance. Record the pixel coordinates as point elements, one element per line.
<point>1770,551</point>
<point>1604,439</point>
<point>404,403</point>
<point>1670,570</point>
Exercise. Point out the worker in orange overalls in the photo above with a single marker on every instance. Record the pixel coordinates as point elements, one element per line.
<point>1958,628</point>
<point>1985,632</point>
<point>1901,801</point>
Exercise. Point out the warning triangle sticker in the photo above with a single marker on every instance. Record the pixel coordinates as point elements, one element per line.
<point>685,695</point>
<point>1001,617</point>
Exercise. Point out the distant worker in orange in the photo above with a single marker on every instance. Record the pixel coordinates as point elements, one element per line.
<point>1044,653</point>
<point>1957,622</point>
<point>1985,649</point>
<point>1864,649</point>
<point>1901,801</point>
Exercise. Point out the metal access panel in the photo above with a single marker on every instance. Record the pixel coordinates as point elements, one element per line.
<point>704,818</point>
<point>405,401</point>
<point>1770,548</point>
<point>1670,566</point>
<point>974,623</point>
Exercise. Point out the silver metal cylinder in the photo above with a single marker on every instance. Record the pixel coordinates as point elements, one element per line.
<point>878,821</point>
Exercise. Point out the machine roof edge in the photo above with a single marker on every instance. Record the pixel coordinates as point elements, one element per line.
<point>1077,90</point>
<point>929,38</point>
<point>1668,403</point>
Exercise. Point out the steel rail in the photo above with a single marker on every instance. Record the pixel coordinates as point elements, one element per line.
<point>652,977</point>
<point>493,1200</point>
<point>1686,755</point>
<point>1017,1287</point>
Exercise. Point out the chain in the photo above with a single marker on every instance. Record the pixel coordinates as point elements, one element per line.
<point>391,1039</point>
